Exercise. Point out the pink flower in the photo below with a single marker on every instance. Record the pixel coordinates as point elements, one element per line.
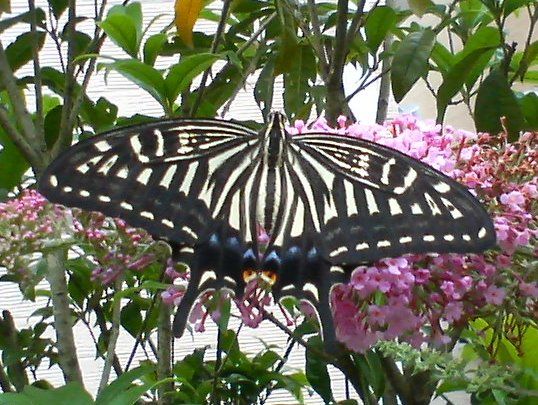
<point>172,296</point>
<point>453,311</point>
<point>514,199</point>
<point>494,295</point>
<point>529,289</point>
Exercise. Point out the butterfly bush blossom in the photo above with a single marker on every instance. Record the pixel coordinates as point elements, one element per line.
<point>30,226</point>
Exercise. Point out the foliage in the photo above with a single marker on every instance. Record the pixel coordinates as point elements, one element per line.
<point>120,279</point>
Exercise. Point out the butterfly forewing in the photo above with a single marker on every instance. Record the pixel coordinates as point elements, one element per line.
<point>173,178</point>
<point>383,203</point>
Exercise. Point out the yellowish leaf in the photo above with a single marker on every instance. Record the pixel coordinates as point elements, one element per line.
<point>5,6</point>
<point>187,12</point>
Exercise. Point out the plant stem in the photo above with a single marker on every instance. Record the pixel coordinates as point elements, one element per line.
<point>336,101</point>
<point>164,363</point>
<point>37,77</point>
<point>397,379</point>
<point>63,323</point>
<point>384,85</point>
<point>66,127</point>
<point>23,117</point>
<point>113,338</point>
<point>214,46</point>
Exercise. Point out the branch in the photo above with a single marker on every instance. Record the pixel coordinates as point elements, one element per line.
<point>37,77</point>
<point>164,361</point>
<point>533,18</point>
<point>336,103</point>
<point>23,117</point>
<point>66,127</point>
<point>397,379</point>
<point>115,332</point>
<point>317,40</point>
<point>63,324</point>
<point>356,22</point>
<point>214,46</point>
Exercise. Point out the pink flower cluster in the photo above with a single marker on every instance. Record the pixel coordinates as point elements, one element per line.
<point>418,298</point>
<point>26,223</point>
<point>115,246</point>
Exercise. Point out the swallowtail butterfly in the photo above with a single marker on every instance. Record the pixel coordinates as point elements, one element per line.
<point>328,202</point>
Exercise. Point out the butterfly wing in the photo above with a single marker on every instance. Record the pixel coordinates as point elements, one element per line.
<point>372,202</point>
<point>173,178</point>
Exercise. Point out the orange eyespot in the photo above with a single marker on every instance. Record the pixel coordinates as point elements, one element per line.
<point>248,275</point>
<point>270,277</point>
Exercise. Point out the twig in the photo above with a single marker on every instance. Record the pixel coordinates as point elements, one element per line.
<point>114,334</point>
<point>250,69</point>
<point>214,46</point>
<point>65,341</point>
<point>365,83</point>
<point>533,18</point>
<point>37,76</point>
<point>356,22</point>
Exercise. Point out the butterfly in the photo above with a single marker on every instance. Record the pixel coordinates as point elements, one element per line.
<point>328,202</point>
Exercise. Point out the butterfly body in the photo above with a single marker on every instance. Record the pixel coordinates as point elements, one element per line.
<point>327,201</point>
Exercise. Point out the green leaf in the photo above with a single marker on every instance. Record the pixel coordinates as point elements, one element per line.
<point>5,6</point>
<point>152,47</point>
<point>419,7</point>
<point>522,61</point>
<point>297,82</point>
<point>131,318</point>
<point>81,42</point>
<point>181,74</point>
<point>380,21</point>
<point>263,90</point>
<point>72,393</point>
<point>117,390</point>
<point>122,31</point>
<point>451,385</point>
<point>442,57</point>
<point>529,107</point>
<point>24,17</point>
<point>509,6</point>
<point>411,61</point>
<point>495,99</point>
<point>457,76</point>
<point>58,7</point>
<point>484,37</point>
<point>316,371</point>
<point>145,76</point>
<point>21,51</point>
<point>52,125</point>
<point>13,164</point>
